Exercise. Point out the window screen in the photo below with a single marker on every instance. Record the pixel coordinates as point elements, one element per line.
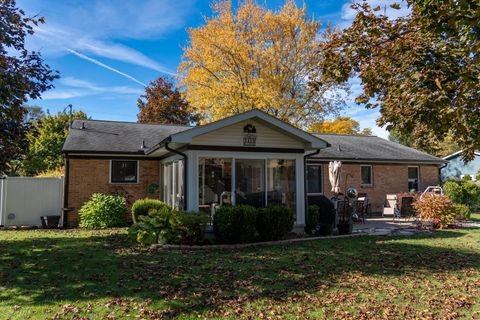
<point>124,171</point>
<point>366,174</point>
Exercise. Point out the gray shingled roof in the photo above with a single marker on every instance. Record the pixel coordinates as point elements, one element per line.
<point>116,137</point>
<point>353,147</point>
<point>126,138</point>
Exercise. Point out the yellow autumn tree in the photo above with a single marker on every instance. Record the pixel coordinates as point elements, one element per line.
<point>340,125</point>
<point>252,57</point>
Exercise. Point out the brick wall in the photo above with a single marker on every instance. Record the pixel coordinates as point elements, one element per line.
<point>88,176</point>
<point>387,179</point>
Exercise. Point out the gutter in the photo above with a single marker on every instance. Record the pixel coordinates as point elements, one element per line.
<point>305,180</point>
<point>185,166</point>
<point>440,171</point>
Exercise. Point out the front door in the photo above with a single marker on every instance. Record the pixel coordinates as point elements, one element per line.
<point>250,182</point>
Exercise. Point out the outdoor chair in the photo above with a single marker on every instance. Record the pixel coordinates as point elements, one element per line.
<point>404,209</point>
<point>366,207</point>
<point>360,208</point>
<point>343,209</point>
<point>390,205</point>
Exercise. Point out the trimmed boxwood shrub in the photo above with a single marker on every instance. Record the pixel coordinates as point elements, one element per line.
<point>188,228</point>
<point>313,218</point>
<point>103,211</point>
<point>141,207</point>
<point>274,222</point>
<point>235,224</point>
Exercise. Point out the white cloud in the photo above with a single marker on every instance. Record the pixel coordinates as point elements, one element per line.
<point>94,27</point>
<point>103,65</point>
<point>84,84</point>
<point>58,94</point>
<point>70,87</point>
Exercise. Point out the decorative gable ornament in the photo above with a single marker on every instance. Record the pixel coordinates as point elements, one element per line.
<point>249,135</point>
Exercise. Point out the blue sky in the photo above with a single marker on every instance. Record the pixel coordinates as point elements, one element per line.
<point>106,50</point>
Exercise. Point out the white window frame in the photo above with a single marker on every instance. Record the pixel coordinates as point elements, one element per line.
<point>137,178</point>
<point>418,177</point>
<point>371,175</point>
<point>265,166</point>
<point>170,183</point>
<point>321,182</point>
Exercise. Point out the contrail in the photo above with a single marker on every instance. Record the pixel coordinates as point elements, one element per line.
<point>103,65</point>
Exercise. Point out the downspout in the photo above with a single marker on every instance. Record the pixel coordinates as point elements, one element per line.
<point>185,165</point>
<point>65,191</point>
<point>440,172</point>
<point>305,180</point>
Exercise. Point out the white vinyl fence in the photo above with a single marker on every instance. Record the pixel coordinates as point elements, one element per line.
<point>24,200</point>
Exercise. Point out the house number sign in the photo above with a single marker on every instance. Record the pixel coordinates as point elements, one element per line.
<point>249,136</point>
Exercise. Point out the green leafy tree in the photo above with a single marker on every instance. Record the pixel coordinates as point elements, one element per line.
<point>24,75</point>
<point>422,70</point>
<point>162,103</point>
<point>45,142</point>
<point>437,148</point>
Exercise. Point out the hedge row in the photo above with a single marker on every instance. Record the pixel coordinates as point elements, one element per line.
<point>240,224</point>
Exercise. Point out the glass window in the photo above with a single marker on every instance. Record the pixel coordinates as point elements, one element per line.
<point>366,175</point>
<point>250,182</point>
<point>173,189</point>
<point>215,182</point>
<point>167,182</point>
<point>413,178</point>
<point>179,193</point>
<point>281,184</point>
<point>124,171</point>
<point>314,179</point>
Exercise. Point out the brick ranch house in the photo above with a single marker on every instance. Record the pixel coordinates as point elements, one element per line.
<point>251,158</point>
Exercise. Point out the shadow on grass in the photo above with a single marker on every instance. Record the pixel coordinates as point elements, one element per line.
<point>49,269</point>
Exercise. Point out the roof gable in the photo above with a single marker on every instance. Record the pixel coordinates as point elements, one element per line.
<point>458,154</point>
<point>310,140</point>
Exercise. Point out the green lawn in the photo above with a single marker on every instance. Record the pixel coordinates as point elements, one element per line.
<point>101,275</point>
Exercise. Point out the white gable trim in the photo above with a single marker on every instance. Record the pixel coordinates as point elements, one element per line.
<point>312,141</point>
<point>477,153</point>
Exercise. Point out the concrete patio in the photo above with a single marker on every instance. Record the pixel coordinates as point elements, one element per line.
<point>386,226</point>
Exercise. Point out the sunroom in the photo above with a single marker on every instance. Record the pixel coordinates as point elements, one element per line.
<point>251,158</point>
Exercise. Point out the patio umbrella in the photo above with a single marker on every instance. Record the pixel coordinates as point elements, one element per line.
<point>334,170</point>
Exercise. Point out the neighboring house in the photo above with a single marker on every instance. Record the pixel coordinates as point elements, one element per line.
<point>457,169</point>
<point>251,158</point>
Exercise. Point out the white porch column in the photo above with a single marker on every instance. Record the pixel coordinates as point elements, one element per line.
<point>300,177</point>
<point>192,178</point>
